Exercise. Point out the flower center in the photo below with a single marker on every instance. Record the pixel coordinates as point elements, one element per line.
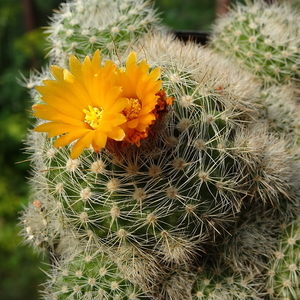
<point>93,116</point>
<point>133,109</point>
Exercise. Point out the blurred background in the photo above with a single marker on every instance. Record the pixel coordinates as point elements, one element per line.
<point>22,49</point>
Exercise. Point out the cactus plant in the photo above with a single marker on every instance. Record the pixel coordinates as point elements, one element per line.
<point>81,28</point>
<point>220,282</point>
<point>262,38</point>
<point>149,163</point>
<point>283,271</point>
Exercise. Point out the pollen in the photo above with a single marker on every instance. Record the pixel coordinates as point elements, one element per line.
<point>133,109</point>
<point>93,116</point>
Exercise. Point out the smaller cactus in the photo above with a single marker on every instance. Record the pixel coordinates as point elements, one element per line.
<point>90,274</point>
<point>251,243</point>
<point>222,282</point>
<point>284,268</point>
<point>282,111</point>
<point>81,27</point>
<point>261,38</point>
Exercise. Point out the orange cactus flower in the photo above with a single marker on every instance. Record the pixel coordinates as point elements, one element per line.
<point>91,103</point>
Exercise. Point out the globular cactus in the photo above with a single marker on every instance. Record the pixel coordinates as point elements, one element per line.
<point>149,163</point>
<point>262,38</point>
<point>90,274</point>
<point>220,281</point>
<point>81,27</point>
<point>281,111</point>
<point>283,271</point>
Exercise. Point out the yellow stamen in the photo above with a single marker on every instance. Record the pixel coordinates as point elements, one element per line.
<point>93,116</point>
<point>133,109</point>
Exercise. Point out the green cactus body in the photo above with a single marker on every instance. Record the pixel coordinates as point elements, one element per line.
<point>90,274</point>
<point>81,27</point>
<point>146,198</point>
<point>223,282</point>
<point>281,113</point>
<point>262,38</point>
<point>284,268</point>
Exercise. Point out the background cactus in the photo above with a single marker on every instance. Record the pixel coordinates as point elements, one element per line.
<point>224,282</point>
<point>281,110</point>
<point>81,28</point>
<point>283,270</point>
<point>188,212</point>
<point>90,274</point>
<point>261,38</point>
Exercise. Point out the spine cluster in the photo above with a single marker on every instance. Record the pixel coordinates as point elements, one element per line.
<point>196,211</point>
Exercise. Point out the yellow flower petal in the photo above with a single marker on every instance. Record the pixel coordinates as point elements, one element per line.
<point>99,140</point>
<point>117,134</point>
<point>47,112</point>
<point>64,106</point>
<point>55,128</point>
<point>82,143</point>
<point>70,137</point>
<point>53,88</point>
<point>91,102</point>
<point>75,68</point>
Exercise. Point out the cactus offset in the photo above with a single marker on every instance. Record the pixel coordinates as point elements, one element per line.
<point>263,39</point>
<point>283,271</point>
<point>81,27</point>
